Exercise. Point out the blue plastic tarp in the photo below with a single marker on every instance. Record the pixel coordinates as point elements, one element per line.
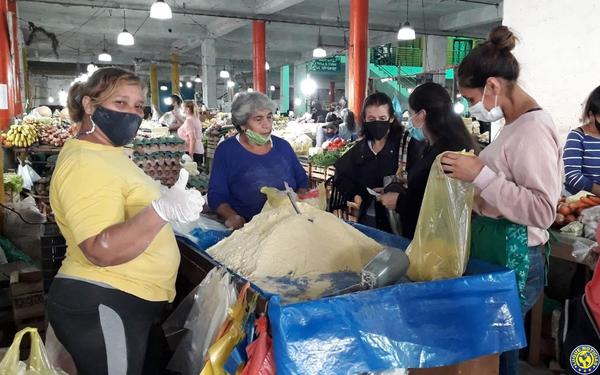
<point>412,325</point>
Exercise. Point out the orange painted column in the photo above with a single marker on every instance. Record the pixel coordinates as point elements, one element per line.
<point>357,54</point>
<point>6,70</point>
<point>332,92</point>
<point>259,52</point>
<point>18,101</point>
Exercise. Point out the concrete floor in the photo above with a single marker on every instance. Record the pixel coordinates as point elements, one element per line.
<point>526,369</point>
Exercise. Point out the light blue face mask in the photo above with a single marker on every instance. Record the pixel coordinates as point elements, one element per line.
<point>416,133</point>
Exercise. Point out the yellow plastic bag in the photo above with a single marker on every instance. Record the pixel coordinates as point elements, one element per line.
<point>440,248</point>
<point>37,364</point>
<point>231,334</point>
<point>276,198</point>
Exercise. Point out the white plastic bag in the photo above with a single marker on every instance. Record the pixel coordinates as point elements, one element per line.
<point>590,218</point>
<point>28,174</point>
<point>198,319</point>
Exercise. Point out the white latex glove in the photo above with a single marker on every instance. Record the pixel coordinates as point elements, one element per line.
<point>179,204</point>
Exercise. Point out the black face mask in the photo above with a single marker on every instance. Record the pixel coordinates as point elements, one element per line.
<point>119,127</point>
<point>377,129</point>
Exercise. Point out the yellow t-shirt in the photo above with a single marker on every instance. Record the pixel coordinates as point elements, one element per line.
<point>94,187</point>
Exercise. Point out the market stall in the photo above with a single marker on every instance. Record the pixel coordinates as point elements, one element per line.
<point>414,325</point>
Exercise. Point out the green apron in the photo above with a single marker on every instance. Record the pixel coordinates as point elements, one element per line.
<point>504,243</point>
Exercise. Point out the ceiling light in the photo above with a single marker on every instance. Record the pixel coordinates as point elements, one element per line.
<point>189,85</point>
<point>125,38</point>
<point>319,52</point>
<point>168,100</point>
<point>50,100</point>
<point>386,79</point>
<point>267,66</point>
<point>272,88</point>
<point>180,84</point>
<point>250,89</point>
<point>91,68</point>
<point>459,108</point>
<point>308,87</point>
<point>224,74</point>
<point>458,96</point>
<point>406,32</point>
<point>163,88</point>
<point>410,90</point>
<point>297,101</point>
<point>161,10</point>
<point>230,84</point>
<point>104,56</point>
<point>198,79</point>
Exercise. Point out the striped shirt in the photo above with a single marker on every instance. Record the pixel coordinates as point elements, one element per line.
<point>582,161</point>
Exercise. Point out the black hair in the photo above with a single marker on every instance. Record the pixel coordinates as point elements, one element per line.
<point>350,121</point>
<point>592,104</point>
<point>444,125</point>
<point>176,98</point>
<point>332,117</point>
<point>493,58</point>
<point>147,112</point>
<point>378,99</point>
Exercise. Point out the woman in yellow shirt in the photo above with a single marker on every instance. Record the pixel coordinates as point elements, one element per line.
<point>122,258</point>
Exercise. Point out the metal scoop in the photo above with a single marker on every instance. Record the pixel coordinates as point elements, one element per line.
<point>386,268</point>
<point>290,195</point>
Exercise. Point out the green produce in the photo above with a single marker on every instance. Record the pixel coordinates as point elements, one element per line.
<point>13,183</point>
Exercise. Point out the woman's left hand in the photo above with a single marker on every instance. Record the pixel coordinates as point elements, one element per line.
<point>462,167</point>
<point>389,200</point>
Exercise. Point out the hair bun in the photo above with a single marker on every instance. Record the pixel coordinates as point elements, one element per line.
<point>502,39</point>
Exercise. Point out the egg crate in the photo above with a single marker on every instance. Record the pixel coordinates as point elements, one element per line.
<point>161,166</point>
<point>162,144</point>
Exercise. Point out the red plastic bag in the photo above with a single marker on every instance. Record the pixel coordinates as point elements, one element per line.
<point>260,352</point>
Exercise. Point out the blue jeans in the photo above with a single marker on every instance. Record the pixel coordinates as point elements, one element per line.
<point>509,361</point>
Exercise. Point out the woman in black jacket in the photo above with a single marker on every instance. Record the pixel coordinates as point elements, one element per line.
<point>430,109</point>
<point>371,159</point>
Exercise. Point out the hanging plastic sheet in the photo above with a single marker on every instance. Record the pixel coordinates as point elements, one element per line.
<point>413,325</point>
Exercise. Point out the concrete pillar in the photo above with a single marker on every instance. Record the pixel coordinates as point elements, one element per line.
<point>209,73</point>
<point>175,74</point>
<point>259,51</point>
<point>299,76</point>
<point>358,54</point>
<point>557,53</point>
<point>154,86</point>
<point>435,57</point>
<point>284,89</point>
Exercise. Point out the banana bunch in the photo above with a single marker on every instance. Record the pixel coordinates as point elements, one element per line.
<point>22,135</point>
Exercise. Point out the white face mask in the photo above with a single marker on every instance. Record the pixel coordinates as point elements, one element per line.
<point>482,114</point>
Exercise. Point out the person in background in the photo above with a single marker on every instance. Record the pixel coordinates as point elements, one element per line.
<point>582,150</point>
<point>174,117</point>
<point>329,131</point>
<point>317,112</point>
<point>147,113</point>
<point>347,130</point>
<point>374,157</point>
<point>250,161</point>
<point>191,132</point>
<point>517,177</point>
<point>431,118</point>
<point>122,258</point>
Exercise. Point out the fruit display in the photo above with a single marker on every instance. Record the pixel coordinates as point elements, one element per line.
<point>159,158</point>
<point>570,209</point>
<point>53,135</point>
<point>20,136</point>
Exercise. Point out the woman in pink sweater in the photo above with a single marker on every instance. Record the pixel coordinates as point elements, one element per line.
<point>517,176</point>
<point>191,133</point>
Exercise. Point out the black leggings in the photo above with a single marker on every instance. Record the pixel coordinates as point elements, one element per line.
<point>106,331</point>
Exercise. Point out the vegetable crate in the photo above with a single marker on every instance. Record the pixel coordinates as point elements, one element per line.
<point>53,251</point>
<point>317,175</point>
<point>27,295</point>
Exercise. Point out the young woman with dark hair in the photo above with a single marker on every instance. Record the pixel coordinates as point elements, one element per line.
<point>371,159</point>
<point>430,111</point>
<point>518,176</point>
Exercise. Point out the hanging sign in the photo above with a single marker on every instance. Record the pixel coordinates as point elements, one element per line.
<point>3,96</point>
<point>328,65</point>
